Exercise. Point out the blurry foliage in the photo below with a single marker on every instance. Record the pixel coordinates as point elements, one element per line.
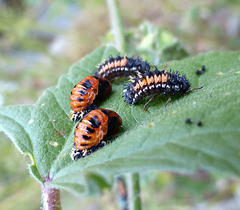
<point>13,28</point>
<point>17,188</point>
<point>153,44</point>
<point>180,191</point>
<point>92,3</point>
<point>193,22</point>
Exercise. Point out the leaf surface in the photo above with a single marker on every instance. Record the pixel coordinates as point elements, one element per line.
<point>157,138</point>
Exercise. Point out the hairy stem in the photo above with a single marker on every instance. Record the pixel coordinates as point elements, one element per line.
<point>50,198</point>
<point>117,25</point>
<point>134,200</point>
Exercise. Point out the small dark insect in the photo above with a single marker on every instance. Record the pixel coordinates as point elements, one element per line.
<point>156,83</point>
<point>198,72</point>
<point>90,132</point>
<point>188,121</point>
<point>203,69</point>
<point>122,66</point>
<point>85,93</point>
<point>199,123</point>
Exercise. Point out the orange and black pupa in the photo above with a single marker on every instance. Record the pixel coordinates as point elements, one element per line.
<point>122,67</point>
<point>156,83</point>
<point>90,132</point>
<point>85,93</point>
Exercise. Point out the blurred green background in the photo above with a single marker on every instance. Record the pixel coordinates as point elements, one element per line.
<point>40,40</point>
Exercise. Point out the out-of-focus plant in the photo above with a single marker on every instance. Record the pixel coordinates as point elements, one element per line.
<point>153,44</point>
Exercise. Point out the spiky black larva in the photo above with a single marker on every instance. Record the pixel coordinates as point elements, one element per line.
<point>122,67</point>
<point>156,82</point>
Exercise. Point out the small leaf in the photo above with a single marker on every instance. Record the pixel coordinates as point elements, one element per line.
<point>158,138</point>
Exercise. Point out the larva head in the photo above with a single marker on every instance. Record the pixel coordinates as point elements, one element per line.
<point>185,85</point>
<point>128,93</point>
<point>180,83</point>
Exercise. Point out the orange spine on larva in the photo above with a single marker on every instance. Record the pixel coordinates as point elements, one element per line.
<point>150,80</point>
<point>124,61</point>
<point>136,87</point>
<point>143,82</point>
<point>158,79</point>
<point>164,78</point>
<point>111,65</point>
<point>117,63</point>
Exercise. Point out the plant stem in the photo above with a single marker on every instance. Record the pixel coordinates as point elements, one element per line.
<point>117,25</point>
<point>134,200</point>
<point>121,193</point>
<point>50,198</point>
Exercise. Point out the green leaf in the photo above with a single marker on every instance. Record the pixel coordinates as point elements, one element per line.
<point>157,138</point>
<point>44,131</point>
